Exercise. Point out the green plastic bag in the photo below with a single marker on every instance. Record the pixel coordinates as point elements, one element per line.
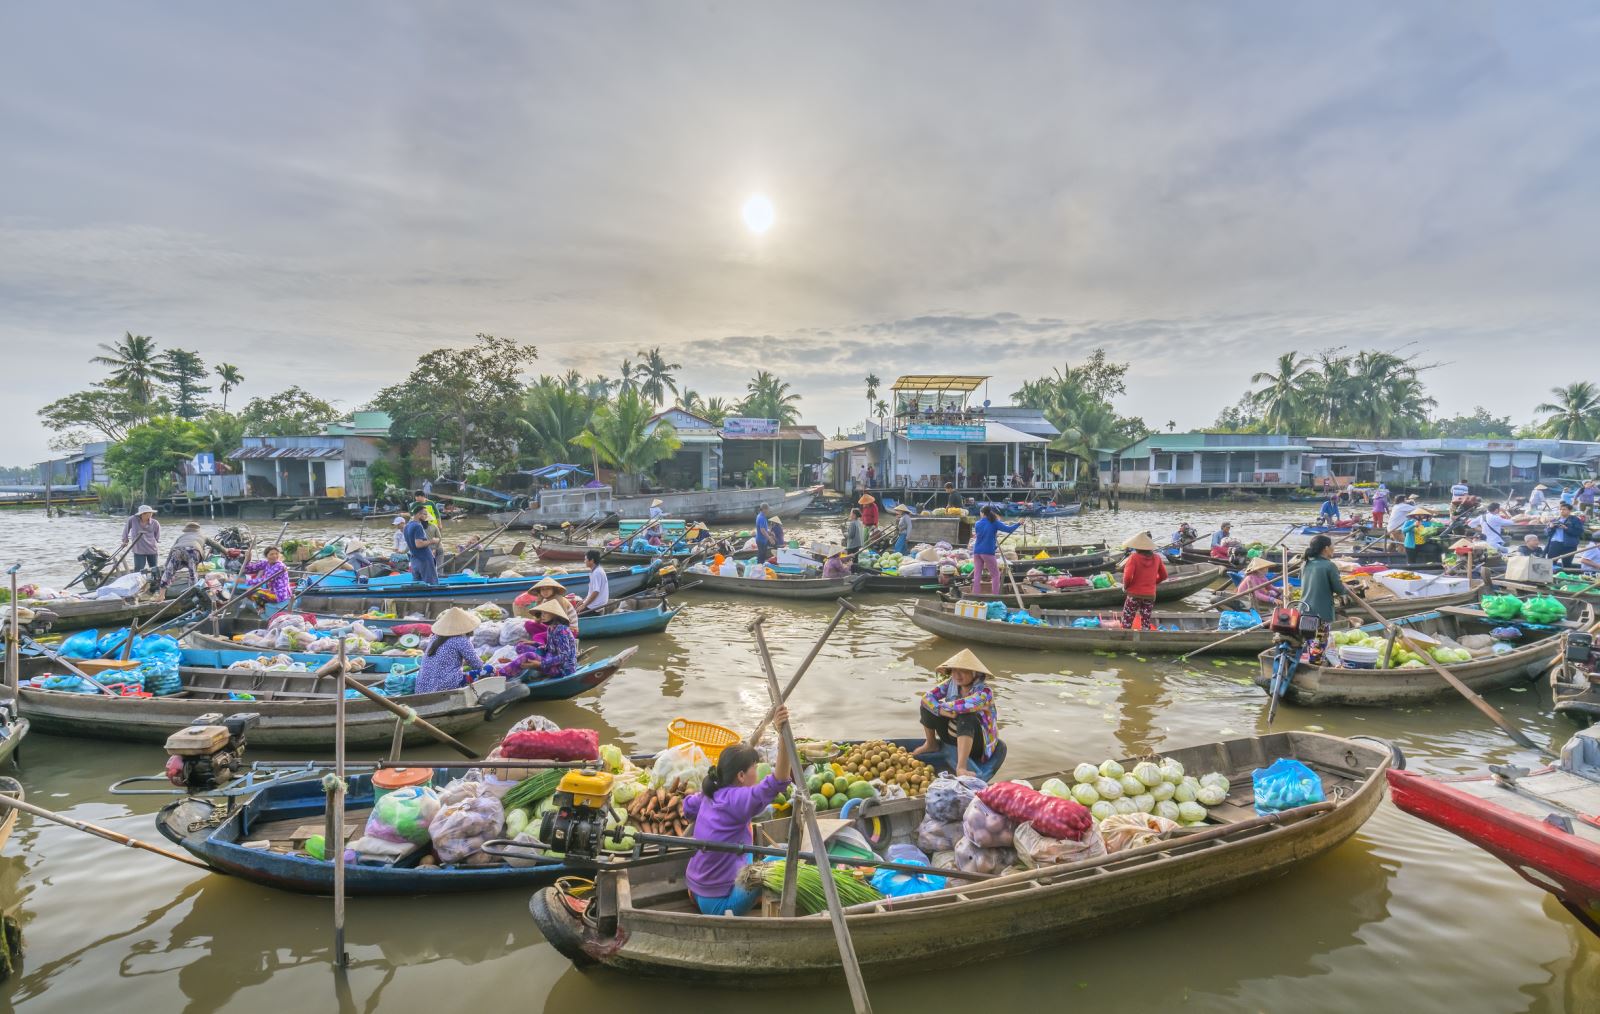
<point>1252,554</point>
<point>1544,609</point>
<point>1502,607</point>
<point>1101,581</point>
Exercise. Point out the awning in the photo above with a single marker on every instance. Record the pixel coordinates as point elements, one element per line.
<point>1393,452</point>
<point>937,382</point>
<point>555,471</point>
<point>1550,460</point>
<point>1251,448</point>
<point>1000,433</point>
<point>290,453</point>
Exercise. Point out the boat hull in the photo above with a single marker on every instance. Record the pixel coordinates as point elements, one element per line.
<point>1180,585</point>
<point>773,588</point>
<point>937,618</point>
<point>348,595</point>
<point>711,506</point>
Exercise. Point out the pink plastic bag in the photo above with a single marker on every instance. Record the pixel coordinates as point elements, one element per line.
<point>1051,817</point>
<point>562,745</point>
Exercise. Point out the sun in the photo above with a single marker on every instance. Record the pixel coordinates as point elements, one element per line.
<point>758,213</point>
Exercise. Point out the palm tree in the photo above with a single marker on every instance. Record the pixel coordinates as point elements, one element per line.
<point>627,375</point>
<point>715,410</point>
<point>1282,400</point>
<point>552,416</point>
<point>230,378</point>
<point>572,380</point>
<point>771,398</point>
<point>657,376</point>
<point>599,389</point>
<point>882,408</point>
<point>1575,414</point>
<point>690,401</point>
<point>136,369</point>
<point>620,434</point>
<point>1332,378</point>
<point>873,382</point>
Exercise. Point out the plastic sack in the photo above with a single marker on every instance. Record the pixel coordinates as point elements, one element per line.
<point>984,827</point>
<point>685,762</point>
<point>899,883</point>
<point>903,853</point>
<point>1086,622</point>
<point>1237,619</point>
<point>1285,784</point>
<point>533,723</point>
<point>972,859</point>
<point>1544,609</point>
<point>1054,818</point>
<point>1133,830</point>
<point>80,645</point>
<point>459,790</point>
<point>562,745</point>
<point>935,836</point>
<point>1501,607</point>
<point>460,829</point>
<point>399,684</point>
<point>1035,849</point>
<point>1101,581</point>
<point>404,815</point>
<point>994,611</point>
<point>155,646</point>
<point>948,797</point>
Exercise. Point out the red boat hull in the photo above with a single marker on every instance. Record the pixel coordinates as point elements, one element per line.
<point>1563,864</point>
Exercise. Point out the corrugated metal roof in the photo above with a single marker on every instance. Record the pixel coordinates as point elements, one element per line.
<point>785,433</point>
<point>296,453</point>
<point>937,382</point>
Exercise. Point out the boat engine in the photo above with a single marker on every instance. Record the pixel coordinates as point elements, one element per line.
<point>235,537</point>
<point>1580,649</point>
<point>209,752</point>
<point>94,560</point>
<point>577,822</point>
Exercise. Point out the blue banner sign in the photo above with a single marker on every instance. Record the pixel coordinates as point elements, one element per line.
<point>949,433</point>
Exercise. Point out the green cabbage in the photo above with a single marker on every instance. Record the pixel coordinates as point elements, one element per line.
<point>1171,770</point>
<point>1145,802</point>
<point>1085,773</point>
<point>1102,810</point>
<point>1148,774</point>
<point>1131,786</point>
<point>1167,808</point>
<point>1085,794</point>
<point>1191,812</point>
<point>1056,787</point>
<point>1108,788</point>
<point>1110,769</point>
<point>1210,795</point>
<point>1162,792</point>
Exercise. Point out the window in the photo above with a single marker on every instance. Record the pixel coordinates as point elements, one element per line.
<point>1269,461</point>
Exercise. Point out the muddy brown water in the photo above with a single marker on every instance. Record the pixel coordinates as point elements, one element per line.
<point>1402,917</point>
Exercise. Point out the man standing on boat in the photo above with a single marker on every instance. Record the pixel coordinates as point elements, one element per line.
<point>419,547</point>
<point>1566,535</point>
<point>763,536</point>
<point>420,498</point>
<point>599,585</point>
<point>143,531</point>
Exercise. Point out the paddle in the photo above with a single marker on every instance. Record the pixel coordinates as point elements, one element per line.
<point>844,607</point>
<point>1451,678</point>
<point>1247,630</point>
<point>804,807</point>
<point>98,831</point>
<point>473,546</point>
<point>52,654</point>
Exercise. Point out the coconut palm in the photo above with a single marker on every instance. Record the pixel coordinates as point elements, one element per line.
<point>628,375</point>
<point>1283,398</point>
<point>714,410</point>
<point>136,370</point>
<point>691,401</point>
<point>230,378</point>
<point>873,381</point>
<point>771,398</point>
<point>621,435</point>
<point>881,407</point>
<point>657,376</point>
<point>1575,413</point>
<point>552,416</point>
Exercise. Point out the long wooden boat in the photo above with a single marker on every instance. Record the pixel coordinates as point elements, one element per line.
<point>1177,632</point>
<point>1544,823</point>
<point>277,813</point>
<point>1074,563</point>
<point>775,588</point>
<point>8,820</point>
<point>297,710</point>
<point>344,594</point>
<point>1318,685</point>
<point>642,920</point>
<point>84,614</point>
<point>711,506</point>
<point>1182,581</point>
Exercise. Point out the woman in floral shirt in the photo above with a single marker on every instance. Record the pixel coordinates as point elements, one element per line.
<point>271,575</point>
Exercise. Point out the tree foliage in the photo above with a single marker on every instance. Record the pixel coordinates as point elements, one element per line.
<point>657,376</point>
<point>620,435</point>
<point>1480,425</point>
<point>79,416</point>
<point>771,398</point>
<point>553,413</point>
<point>185,370</point>
<point>137,370</point>
<point>291,412</point>
<point>228,378</point>
<point>1077,401</point>
<point>468,399</point>
<point>1372,394</point>
<point>151,452</point>
<point>1574,414</point>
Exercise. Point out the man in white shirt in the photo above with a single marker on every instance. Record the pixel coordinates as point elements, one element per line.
<point>400,547</point>
<point>1491,524</point>
<point>1459,490</point>
<point>599,585</point>
<point>1589,560</point>
<point>1401,511</point>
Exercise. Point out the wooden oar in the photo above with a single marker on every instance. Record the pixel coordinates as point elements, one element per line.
<point>803,806</point>
<point>473,546</point>
<point>52,654</point>
<point>1247,630</point>
<point>404,714</point>
<point>844,607</point>
<point>1451,678</point>
<point>98,831</point>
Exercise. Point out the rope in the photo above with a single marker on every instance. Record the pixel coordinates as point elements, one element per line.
<point>332,781</point>
<point>410,717</point>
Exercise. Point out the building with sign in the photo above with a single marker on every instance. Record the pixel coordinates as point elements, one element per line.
<point>938,435</point>
<point>697,464</point>
<point>793,454</point>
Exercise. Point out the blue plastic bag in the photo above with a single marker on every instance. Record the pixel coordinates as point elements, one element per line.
<point>898,884</point>
<point>81,645</point>
<point>1086,622</point>
<point>398,684</point>
<point>111,643</point>
<point>155,646</point>
<point>1238,619</point>
<point>995,611</point>
<point>160,675</point>
<point>1285,784</point>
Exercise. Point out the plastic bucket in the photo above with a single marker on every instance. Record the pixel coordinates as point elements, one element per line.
<point>387,780</point>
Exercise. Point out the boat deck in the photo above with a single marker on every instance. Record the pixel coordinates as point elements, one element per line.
<point>1540,795</point>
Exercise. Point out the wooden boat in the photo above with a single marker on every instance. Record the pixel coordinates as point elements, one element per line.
<point>296,708</point>
<point>1178,633</point>
<point>715,506</point>
<point>1182,581</point>
<point>284,814</point>
<point>641,920</point>
<point>1544,823</point>
<point>775,588</point>
<point>13,727</point>
<point>1318,685</point>
<point>8,820</point>
<point>1390,605</point>
<point>1575,681</point>
<point>84,614</point>
<point>1074,564</point>
<point>345,594</point>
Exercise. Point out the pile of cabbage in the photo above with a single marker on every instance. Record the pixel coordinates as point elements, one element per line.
<point>1156,786</point>
<point>1404,656</point>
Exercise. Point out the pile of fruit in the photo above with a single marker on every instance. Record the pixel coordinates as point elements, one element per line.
<point>1403,657</point>
<point>894,764</point>
<point>829,791</point>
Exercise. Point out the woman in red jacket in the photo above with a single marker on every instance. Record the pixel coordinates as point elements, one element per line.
<point>1144,570</point>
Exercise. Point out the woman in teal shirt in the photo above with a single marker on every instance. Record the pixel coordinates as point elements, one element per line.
<point>1320,585</point>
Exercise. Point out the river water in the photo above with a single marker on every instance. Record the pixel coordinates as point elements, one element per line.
<point>1402,917</point>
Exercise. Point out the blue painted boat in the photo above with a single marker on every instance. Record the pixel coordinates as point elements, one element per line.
<point>278,811</point>
<point>335,593</point>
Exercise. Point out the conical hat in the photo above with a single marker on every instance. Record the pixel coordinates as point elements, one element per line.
<point>551,607</point>
<point>454,621</point>
<point>1259,563</point>
<point>549,582</point>
<point>901,508</point>
<point>965,659</point>
<point>866,498</point>
<point>1140,541</point>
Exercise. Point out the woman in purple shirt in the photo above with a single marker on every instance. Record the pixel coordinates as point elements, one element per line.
<point>729,799</point>
<point>449,656</point>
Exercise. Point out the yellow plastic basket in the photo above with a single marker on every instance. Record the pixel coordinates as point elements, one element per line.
<point>713,739</point>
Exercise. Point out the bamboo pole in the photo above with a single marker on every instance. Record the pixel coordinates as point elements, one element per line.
<point>98,831</point>
<point>335,807</point>
<point>844,606</point>
<point>404,714</point>
<point>13,635</point>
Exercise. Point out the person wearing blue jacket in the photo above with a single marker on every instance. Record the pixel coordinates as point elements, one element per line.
<point>985,538</point>
<point>1566,535</point>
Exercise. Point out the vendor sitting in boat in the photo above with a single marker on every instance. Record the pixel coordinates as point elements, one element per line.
<point>959,725</point>
<point>1220,539</point>
<point>449,658</point>
<point>555,654</point>
<point>1257,588</point>
<point>547,590</point>
<point>271,577</point>
<point>836,566</point>
<point>731,795</point>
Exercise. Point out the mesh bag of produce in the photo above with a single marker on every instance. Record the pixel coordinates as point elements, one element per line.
<point>1053,817</point>
<point>1035,849</point>
<point>971,858</point>
<point>561,745</point>
<point>460,829</point>
<point>984,827</point>
<point>1133,830</point>
<point>934,835</point>
<point>404,815</point>
<point>948,796</point>
<point>1285,784</point>
<point>685,762</point>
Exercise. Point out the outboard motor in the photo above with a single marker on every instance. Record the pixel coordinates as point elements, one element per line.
<point>209,753</point>
<point>94,560</point>
<point>236,537</point>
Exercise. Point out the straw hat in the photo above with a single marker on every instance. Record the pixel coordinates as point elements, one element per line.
<point>1540,486</point>
<point>454,621</point>
<point>774,520</point>
<point>193,526</point>
<point>964,659</point>
<point>549,582</point>
<point>1423,512</point>
<point>399,521</point>
<point>865,498</point>
<point>1141,541</point>
<point>900,508</point>
<point>145,508</point>
<point>1260,563</point>
<point>656,502</point>
<point>353,546</point>
<point>549,607</point>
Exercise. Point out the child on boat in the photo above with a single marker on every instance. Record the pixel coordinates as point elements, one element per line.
<point>729,799</point>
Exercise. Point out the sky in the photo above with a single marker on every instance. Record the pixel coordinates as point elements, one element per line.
<point>319,193</point>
